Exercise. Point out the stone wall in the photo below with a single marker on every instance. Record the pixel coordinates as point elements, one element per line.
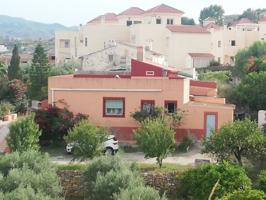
<point>74,185</point>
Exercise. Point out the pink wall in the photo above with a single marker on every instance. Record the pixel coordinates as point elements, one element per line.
<point>85,95</point>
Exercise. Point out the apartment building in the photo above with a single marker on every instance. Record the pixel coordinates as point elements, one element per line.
<point>159,30</point>
<point>109,99</point>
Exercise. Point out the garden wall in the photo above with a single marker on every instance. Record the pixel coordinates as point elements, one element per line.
<point>74,185</point>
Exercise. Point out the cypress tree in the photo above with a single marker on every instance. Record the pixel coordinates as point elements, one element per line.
<point>39,74</point>
<point>13,68</point>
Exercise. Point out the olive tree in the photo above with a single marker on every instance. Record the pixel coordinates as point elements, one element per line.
<point>247,194</point>
<point>156,138</point>
<point>24,134</point>
<point>87,140</point>
<point>236,139</point>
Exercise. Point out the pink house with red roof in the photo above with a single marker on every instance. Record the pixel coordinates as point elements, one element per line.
<point>110,98</point>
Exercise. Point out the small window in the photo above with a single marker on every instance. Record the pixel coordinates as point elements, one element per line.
<point>170,21</point>
<point>111,58</point>
<point>86,42</point>
<point>114,107</point>
<point>149,73</point>
<point>158,21</point>
<point>233,43</point>
<point>219,59</point>
<point>147,106</point>
<point>219,43</point>
<point>137,22</point>
<point>67,43</point>
<point>129,23</point>
<point>170,106</point>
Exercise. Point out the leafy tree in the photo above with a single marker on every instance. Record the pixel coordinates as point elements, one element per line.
<point>39,74</point>
<point>24,135</point>
<point>139,193</point>
<point>247,194</point>
<point>246,60</point>
<point>13,68</point>
<point>187,21</point>
<point>87,140</point>
<point>253,15</point>
<point>28,175</point>
<point>252,91</point>
<point>198,183</point>
<point>55,123</point>
<point>239,139</point>
<point>17,95</point>
<point>221,76</point>
<point>156,138</point>
<point>214,11</point>
<point>5,108</point>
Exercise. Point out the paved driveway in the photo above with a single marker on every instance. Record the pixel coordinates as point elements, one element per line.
<point>179,159</point>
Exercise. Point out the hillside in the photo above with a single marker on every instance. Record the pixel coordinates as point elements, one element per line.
<point>14,27</point>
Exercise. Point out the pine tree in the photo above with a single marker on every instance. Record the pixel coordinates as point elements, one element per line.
<point>39,74</point>
<point>13,68</point>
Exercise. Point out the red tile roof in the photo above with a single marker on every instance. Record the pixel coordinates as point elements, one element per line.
<point>263,19</point>
<point>132,11</point>
<point>164,9</point>
<point>201,55</point>
<point>108,17</point>
<point>187,29</point>
<point>245,21</point>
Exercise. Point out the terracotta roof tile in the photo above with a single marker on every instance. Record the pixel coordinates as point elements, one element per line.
<point>108,17</point>
<point>201,55</point>
<point>187,29</point>
<point>263,19</point>
<point>164,9</point>
<point>132,11</point>
<point>245,21</point>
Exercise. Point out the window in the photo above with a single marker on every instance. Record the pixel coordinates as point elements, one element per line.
<point>219,59</point>
<point>170,21</point>
<point>137,22</point>
<point>113,107</point>
<point>149,73</point>
<point>219,43</point>
<point>86,42</point>
<point>129,23</point>
<point>67,43</point>
<point>111,58</point>
<point>233,43</point>
<point>158,21</point>
<point>147,105</point>
<point>170,106</point>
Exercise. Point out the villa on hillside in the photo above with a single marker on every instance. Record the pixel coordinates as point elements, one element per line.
<point>109,98</point>
<point>114,40</point>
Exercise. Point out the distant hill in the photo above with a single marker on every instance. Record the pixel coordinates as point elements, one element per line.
<point>14,27</point>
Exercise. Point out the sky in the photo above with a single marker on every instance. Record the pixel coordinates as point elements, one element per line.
<point>75,12</point>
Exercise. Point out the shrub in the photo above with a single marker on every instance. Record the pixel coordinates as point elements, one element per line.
<point>87,140</point>
<point>239,139</point>
<point>24,135</point>
<point>139,193</point>
<point>262,181</point>
<point>5,108</point>
<point>198,183</point>
<point>156,138</point>
<point>102,165</point>
<point>142,115</point>
<point>185,145</point>
<point>29,173</point>
<point>55,123</point>
<point>247,194</point>
<point>106,186</point>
